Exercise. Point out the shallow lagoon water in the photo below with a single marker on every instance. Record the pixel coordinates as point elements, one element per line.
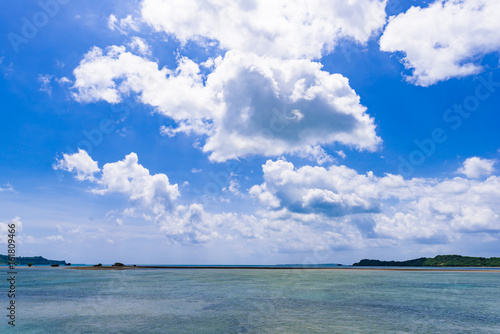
<point>59,300</point>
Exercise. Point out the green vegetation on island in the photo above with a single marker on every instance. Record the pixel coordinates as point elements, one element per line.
<point>34,260</point>
<point>438,261</point>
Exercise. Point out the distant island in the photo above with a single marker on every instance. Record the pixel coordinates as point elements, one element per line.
<point>438,261</point>
<point>34,260</point>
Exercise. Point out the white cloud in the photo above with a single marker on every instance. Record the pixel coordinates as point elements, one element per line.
<point>4,228</point>
<point>272,107</point>
<point>140,46</point>
<point>129,177</point>
<point>476,167</point>
<point>46,83</point>
<point>80,163</point>
<point>266,197</point>
<point>284,231</point>
<point>423,210</point>
<point>7,187</point>
<point>247,105</point>
<point>178,94</point>
<point>334,191</point>
<point>265,96</point>
<point>152,197</point>
<point>123,25</point>
<point>257,99</point>
<point>285,29</point>
<point>125,177</point>
<point>447,39</point>
<point>55,238</point>
<point>309,208</point>
<point>191,224</point>
<point>316,153</point>
<point>64,80</point>
<point>196,126</point>
<point>234,186</point>
<point>341,154</point>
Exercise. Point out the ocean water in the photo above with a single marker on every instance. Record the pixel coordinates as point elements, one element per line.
<point>59,300</point>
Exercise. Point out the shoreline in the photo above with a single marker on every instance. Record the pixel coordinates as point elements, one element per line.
<point>286,268</point>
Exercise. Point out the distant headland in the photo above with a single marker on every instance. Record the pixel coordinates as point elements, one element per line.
<point>438,261</point>
<point>33,260</point>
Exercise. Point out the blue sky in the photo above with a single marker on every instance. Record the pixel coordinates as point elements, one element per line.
<point>250,132</point>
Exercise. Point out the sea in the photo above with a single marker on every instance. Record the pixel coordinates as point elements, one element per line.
<point>61,300</point>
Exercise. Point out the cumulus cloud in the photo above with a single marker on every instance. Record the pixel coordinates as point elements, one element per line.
<point>247,105</point>
<point>261,93</point>
<point>299,209</point>
<point>282,28</point>
<point>447,39</point>
<point>265,196</point>
<point>264,96</point>
<point>109,76</point>
<point>316,153</point>
<point>334,191</point>
<point>125,177</point>
<point>426,210</point>
<point>80,163</point>
<point>152,197</point>
<point>140,46</point>
<point>476,167</point>
<point>271,107</point>
<point>192,224</point>
<point>132,179</point>
<point>123,25</point>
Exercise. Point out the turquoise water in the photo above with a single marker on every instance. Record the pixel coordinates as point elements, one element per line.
<point>58,300</point>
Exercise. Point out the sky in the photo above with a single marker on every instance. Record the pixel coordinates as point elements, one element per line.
<point>250,132</point>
